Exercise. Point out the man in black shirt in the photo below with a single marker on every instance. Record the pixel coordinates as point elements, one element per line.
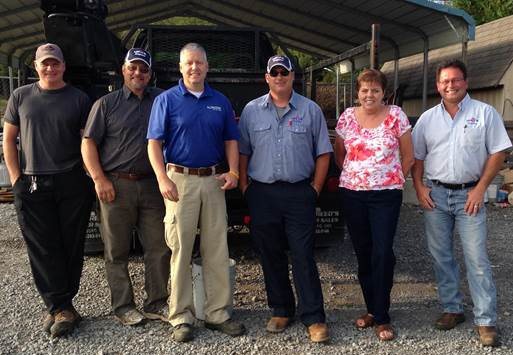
<point>114,148</point>
<point>53,196</point>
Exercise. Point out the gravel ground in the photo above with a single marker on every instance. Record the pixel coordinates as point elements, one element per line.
<point>413,310</point>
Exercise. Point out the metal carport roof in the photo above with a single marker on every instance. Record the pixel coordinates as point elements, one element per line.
<point>321,27</point>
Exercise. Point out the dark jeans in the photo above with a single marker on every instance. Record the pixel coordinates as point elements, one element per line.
<point>371,218</point>
<point>53,220</point>
<point>283,217</point>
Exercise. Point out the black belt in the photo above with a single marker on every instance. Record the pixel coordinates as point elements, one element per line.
<point>130,176</point>
<point>455,186</point>
<point>213,170</point>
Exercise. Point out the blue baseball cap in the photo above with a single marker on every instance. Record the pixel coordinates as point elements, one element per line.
<point>280,60</point>
<point>135,54</point>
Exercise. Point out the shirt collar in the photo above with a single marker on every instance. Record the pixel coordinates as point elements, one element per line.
<point>207,91</point>
<point>461,105</point>
<point>127,92</point>
<point>293,102</point>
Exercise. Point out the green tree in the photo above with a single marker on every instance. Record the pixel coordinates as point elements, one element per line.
<point>485,10</point>
<point>183,21</point>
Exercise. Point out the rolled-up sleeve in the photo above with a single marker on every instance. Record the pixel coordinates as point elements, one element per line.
<point>322,143</point>
<point>244,142</point>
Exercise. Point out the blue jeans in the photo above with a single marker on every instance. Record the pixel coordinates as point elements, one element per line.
<point>440,222</point>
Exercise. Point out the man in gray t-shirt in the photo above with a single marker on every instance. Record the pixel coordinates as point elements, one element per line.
<point>115,153</point>
<point>53,196</point>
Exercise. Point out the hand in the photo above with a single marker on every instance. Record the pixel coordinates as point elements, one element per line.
<point>168,189</point>
<point>424,197</point>
<point>317,189</point>
<point>243,187</point>
<point>475,198</point>
<point>104,189</point>
<point>230,181</point>
<point>14,179</point>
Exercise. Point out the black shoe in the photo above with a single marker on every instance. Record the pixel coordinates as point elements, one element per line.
<point>229,327</point>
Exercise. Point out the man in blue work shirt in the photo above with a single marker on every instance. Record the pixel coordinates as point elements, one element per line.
<point>284,158</point>
<point>459,145</point>
<point>192,130</point>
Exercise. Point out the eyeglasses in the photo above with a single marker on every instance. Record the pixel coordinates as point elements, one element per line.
<point>275,72</point>
<point>142,69</point>
<point>451,81</point>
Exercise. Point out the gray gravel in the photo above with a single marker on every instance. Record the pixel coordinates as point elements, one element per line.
<point>413,310</point>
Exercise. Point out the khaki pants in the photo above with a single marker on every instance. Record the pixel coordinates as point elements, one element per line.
<point>137,204</point>
<point>200,200</point>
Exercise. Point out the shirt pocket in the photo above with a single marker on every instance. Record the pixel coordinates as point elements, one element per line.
<point>473,138</point>
<point>298,133</point>
<point>261,134</point>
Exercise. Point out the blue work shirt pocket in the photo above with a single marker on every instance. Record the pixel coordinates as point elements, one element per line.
<point>261,134</point>
<point>298,134</point>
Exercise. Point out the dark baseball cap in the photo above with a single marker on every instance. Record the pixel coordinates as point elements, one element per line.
<point>49,50</point>
<point>135,54</point>
<point>280,60</point>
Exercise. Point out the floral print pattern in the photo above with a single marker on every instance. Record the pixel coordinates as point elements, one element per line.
<point>372,154</point>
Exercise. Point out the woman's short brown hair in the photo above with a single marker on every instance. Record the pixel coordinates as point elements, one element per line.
<point>372,76</point>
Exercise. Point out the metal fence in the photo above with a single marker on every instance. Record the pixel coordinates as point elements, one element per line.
<point>9,83</point>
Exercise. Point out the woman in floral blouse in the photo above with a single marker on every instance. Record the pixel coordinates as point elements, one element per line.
<point>375,153</point>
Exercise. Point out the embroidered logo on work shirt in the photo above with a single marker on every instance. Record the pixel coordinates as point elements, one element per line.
<point>471,122</point>
<point>215,108</point>
<point>297,120</point>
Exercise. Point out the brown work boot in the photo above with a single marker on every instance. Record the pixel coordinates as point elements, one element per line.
<point>65,322</point>
<point>487,335</point>
<point>318,333</point>
<point>448,321</point>
<point>48,322</point>
<point>277,324</point>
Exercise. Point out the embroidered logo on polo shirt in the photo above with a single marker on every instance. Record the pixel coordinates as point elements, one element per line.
<point>215,108</point>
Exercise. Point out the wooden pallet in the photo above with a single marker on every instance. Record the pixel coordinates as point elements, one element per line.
<point>6,195</point>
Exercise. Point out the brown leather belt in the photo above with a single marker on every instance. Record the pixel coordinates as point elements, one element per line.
<point>213,170</point>
<point>130,176</point>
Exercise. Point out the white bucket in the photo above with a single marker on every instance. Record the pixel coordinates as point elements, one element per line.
<point>491,192</point>
<point>198,290</point>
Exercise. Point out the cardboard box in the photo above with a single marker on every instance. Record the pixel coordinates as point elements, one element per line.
<point>508,175</point>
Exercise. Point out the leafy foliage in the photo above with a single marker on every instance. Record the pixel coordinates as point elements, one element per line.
<point>485,10</point>
<point>183,21</point>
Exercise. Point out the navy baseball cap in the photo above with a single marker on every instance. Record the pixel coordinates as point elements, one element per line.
<point>135,54</point>
<point>280,60</point>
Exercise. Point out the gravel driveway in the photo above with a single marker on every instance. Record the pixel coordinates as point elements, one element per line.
<point>413,310</point>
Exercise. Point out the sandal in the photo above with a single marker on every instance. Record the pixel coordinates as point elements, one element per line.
<point>380,332</point>
<point>364,321</point>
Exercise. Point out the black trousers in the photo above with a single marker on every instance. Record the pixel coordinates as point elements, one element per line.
<point>53,220</point>
<point>283,217</point>
<point>371,218</point>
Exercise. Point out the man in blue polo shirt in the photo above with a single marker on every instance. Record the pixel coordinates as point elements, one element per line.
<point>285,152</point>
<point>192,130</point>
